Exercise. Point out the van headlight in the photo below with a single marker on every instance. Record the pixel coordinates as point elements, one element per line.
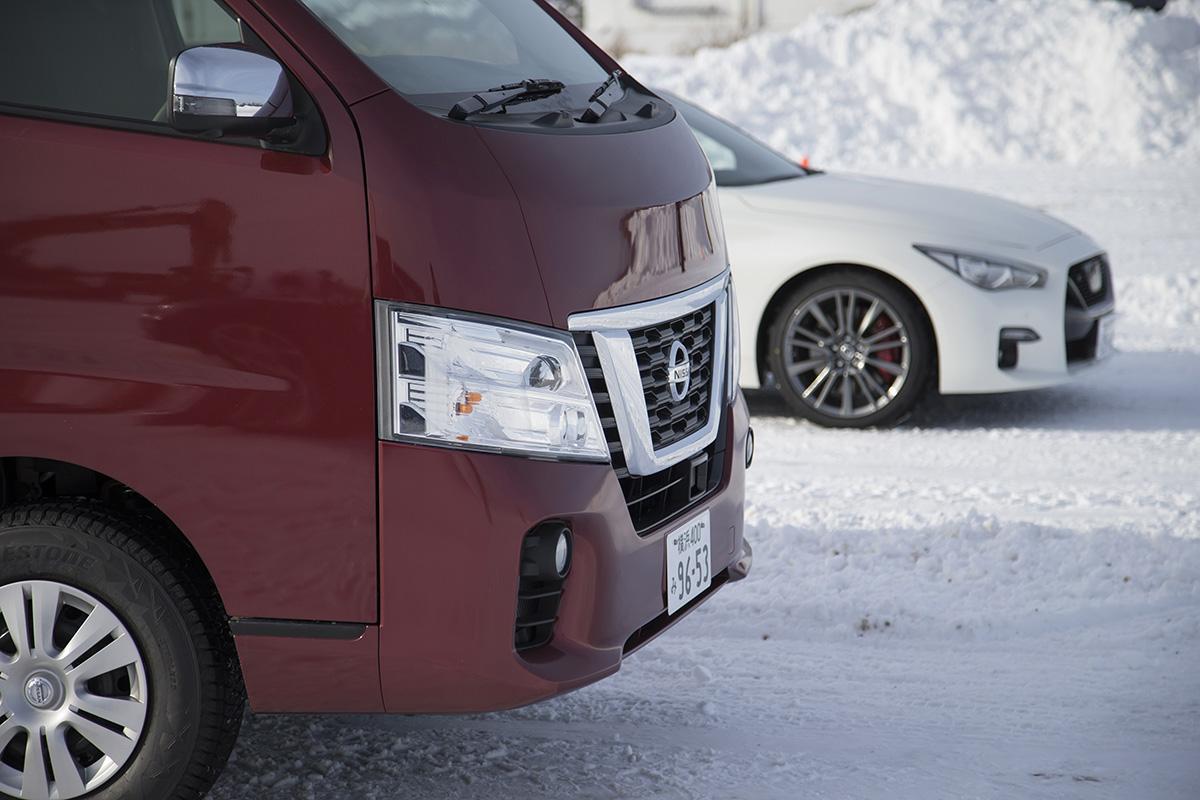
<point>986,272</point>
<point>460,380</point>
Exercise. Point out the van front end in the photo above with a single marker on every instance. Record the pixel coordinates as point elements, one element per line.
<point>562,442</point>
<point>510,577</point>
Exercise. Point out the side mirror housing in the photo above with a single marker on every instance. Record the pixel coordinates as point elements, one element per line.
<point>228,89</point>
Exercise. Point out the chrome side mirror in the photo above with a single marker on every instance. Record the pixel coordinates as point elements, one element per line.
<point>229,89</point>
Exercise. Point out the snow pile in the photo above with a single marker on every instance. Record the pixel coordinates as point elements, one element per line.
<point>960,82</point>
<point>1171,301</point>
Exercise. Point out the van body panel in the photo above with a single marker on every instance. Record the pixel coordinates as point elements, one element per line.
<point>447,229</point>
<point>294,675</point>
<point>614,219</point>
<point>451,527</point>
<point>193,319</point>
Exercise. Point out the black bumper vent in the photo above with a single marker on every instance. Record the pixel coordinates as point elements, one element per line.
<point>538,599</point>
<point>653,499</point>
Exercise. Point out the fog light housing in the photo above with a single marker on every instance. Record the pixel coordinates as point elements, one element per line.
<point>545,561</point>
<point>1007,355</point>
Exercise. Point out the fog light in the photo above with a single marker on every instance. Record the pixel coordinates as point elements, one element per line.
<point>547,553</point>
<point>749,448</point>
<point>562,553</point>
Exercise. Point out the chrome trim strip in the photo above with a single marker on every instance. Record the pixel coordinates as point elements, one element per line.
<point>610,331</point>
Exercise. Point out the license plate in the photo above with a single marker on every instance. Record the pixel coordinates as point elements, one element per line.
<point>689,562</point>
<point>1105,333</point>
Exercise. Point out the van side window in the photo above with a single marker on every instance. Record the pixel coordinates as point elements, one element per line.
<point>104,58</point>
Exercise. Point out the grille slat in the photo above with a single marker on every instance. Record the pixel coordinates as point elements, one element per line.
<point>1084,291</point>
<point>653,499</point>
<point>652,345</point>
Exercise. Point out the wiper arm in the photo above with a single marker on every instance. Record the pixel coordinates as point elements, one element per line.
<point>506,95</point>
<point>604,97</point>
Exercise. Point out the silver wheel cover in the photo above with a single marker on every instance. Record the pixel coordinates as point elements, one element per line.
<point>73,692</point>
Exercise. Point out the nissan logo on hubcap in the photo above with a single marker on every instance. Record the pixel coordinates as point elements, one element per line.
<point>40,691</point>
<point>679,371</point>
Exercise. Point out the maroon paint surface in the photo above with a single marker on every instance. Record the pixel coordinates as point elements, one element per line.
<point>194,319</point>
<point>451,526</point>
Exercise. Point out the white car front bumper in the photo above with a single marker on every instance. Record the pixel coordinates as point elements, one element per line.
<point>1071,333</point>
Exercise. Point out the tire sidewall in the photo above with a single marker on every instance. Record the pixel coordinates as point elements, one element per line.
<point>53,552</point>
<point>921,346</point>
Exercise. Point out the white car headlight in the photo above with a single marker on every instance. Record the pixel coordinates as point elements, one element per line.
<point>735,346</point>
<point>466,381</point>
<point>985,272</point>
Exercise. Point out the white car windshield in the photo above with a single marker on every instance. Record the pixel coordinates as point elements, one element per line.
<point>737,158</point>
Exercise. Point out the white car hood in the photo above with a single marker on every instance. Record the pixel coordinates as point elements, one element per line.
<point>937,214</point>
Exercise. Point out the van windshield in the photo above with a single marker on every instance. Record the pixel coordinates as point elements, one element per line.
<point>456,47</point>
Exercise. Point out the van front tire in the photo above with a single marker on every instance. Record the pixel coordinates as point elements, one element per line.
<point>162,723</point>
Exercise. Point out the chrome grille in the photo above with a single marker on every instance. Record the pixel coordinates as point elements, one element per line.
<point>674,420</point>
<point>651,499</point>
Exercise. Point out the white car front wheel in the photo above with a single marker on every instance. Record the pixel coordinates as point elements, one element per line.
<point>850,349</point>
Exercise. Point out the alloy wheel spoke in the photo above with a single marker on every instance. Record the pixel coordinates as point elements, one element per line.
<point>126,713</point>
<point>862,385</point>
<point>886,366</point>
<point>67,777</point>
<point>821,377</point>
<point>876,387</point>
<point>799,331</point>
<point>800,367</point>
<point>44,599</point>
<point>875,348</point>
<point>120,652</point>
<point>869,317</point>
<point>12,606</point>
<point>847,397</point>
<point>883,334</point>
<point>115,745</point>
<point>821,318</point>
<point>35,780</point>
<point>824,394</point>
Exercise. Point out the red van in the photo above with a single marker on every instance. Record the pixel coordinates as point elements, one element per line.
<point>355,356</point>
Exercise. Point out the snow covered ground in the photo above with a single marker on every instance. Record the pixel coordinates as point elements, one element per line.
<point>1001,599</point>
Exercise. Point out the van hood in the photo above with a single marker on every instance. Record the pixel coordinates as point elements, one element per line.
<point>937,214</point>
<point>534,226</point>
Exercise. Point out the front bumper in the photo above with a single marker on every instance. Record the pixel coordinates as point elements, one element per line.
<point>451,525</point>
<point>968,322</point>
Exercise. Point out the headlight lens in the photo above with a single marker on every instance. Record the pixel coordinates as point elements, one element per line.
<point>735,346</point>
<point>484,384</point>
<point>985,272</point>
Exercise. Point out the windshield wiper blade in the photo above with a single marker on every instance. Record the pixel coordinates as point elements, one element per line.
<point>604,97</point>
<point>506,95</point>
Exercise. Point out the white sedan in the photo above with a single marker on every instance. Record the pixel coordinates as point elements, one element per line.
<point>858,294</point>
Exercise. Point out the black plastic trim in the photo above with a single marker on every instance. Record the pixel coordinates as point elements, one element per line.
<point>296,629</point>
